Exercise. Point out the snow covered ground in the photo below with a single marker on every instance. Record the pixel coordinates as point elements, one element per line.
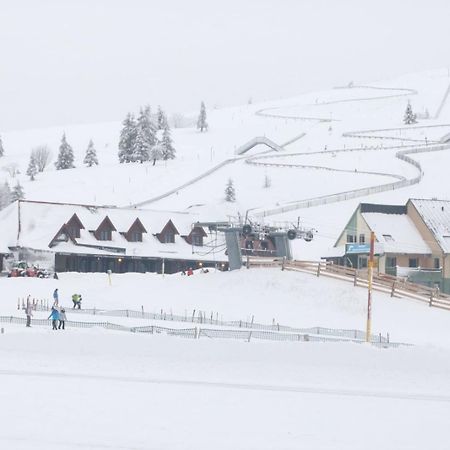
<point>97,389</point>
<point>100,389</point>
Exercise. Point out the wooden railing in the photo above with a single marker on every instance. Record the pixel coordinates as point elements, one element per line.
<point>395,286</point>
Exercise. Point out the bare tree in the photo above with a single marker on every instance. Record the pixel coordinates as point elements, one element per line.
<point>42,156</point>
<point>12,169</point>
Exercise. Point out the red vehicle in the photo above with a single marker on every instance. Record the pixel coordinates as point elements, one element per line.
<point>22,269</point>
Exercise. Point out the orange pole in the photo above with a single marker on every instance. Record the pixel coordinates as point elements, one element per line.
<point>369,287</point>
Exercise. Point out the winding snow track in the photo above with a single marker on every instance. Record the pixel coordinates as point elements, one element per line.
<point>413,146</point>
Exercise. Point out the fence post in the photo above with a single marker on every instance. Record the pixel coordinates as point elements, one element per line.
<point>430,304</point>
<point>355,278</point>
<point>318,269</point>
<point>248,262</point>
<point>283,262</point>
<point>249,336</point>
<point>18,303</point>
<point>142,308</point>
<point>393,289</point>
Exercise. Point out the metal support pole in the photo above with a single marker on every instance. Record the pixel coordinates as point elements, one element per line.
<point>369,288</point>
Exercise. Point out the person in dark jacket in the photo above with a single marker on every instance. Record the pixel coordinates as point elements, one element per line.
<point>62,319</point>
<point>54,315</point>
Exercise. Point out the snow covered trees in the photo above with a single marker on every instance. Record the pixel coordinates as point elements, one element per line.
<point>2,150</point>
<point>409,117</point>
<point>32,167</point>
<point>65,156</point>
<point>161,119</point>
<point>145,136</point>
<point>230,193</point>
<point>5,195</point>
<point>139,141</point>
<point>90,158</point>
<point>17,193</point>
<point>168,152</point>
<point>127,139</point>
<point>201,122</point>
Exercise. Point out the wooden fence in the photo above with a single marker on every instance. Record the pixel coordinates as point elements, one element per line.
<point>395,286</point>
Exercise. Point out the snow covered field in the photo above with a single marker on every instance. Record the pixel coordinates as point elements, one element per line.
<point>97,389</point>
<point>104,389</point>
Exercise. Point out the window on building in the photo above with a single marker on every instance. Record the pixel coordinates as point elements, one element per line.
<point>74,232</point>
<point>362,262</point>
<point>264,245</point>
<point>104,235</point>
<point>169,238</point>
<point>135,236</point>
<point>388,237</point>
<point>437,263</point>
<point>413,262</point>
<point>391,261</point>
<point>248,244</point>
<point>197,239</point>
<point>351,238</point>
<point>362,238</point>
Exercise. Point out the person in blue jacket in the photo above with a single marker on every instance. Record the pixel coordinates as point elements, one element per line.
<point>55,318</point>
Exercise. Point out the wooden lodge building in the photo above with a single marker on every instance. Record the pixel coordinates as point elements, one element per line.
<point>412,240</point>
<point>88,238</point>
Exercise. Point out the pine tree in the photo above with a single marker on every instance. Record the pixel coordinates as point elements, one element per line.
<point>5,195</point>
<point>32,167</point>
<point>17,193</point>
<point>2,150</point>
<point>409,117</point>
<point>156,153</point>
<point>161,119</point>
<point>145,136</point>
<point>230,193</point>
<point>65,155</point>
<point>127,139</point>
<point>90,158</point>
<point>201,122</point>
<point>168,152</point>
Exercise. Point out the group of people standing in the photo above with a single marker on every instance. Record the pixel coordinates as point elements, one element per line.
<point>58,316</point>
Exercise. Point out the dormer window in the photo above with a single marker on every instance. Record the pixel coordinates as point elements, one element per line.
<point>134,234</point>
<point>104,230</point>
<point>197,239</point>
<point>169,237</point>
<point>104,235</point>
<point>74,231</point>
<point>74,226</point>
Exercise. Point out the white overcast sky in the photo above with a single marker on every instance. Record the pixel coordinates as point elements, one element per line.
<point>75,61</point>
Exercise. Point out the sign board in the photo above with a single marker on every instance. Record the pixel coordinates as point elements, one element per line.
<point>362,249</point>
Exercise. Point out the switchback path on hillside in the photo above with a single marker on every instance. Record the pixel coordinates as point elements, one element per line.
<point>408,146</point>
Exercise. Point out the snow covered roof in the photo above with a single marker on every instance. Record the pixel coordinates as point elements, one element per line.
<point>436,216</point>
<point>397,233</point>
<point>34,225</point>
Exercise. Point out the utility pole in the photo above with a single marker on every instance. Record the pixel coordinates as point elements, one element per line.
<point>369,287</point>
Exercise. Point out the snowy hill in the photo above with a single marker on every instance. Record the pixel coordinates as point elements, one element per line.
<point>338,140</point>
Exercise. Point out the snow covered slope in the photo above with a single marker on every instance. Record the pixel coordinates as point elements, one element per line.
<point>338,140</point>
<point>134,391</point>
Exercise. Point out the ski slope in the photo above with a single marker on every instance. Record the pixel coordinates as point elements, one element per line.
<point>135,391</point>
